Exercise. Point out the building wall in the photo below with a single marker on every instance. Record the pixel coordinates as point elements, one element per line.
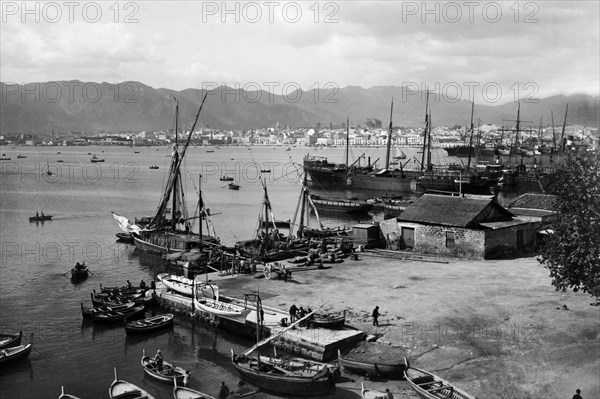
<point>502,242</point>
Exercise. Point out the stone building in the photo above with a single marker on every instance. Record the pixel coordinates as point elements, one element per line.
<point>461,226</point>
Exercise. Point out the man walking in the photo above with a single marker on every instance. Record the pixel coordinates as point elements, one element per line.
<point>223,391</point>
<point>577,394</point>
<point>375,316</point>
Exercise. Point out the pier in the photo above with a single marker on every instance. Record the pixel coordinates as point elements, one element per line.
<point>314,343</point>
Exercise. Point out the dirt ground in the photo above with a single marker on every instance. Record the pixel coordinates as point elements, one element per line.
<point>497,329</point>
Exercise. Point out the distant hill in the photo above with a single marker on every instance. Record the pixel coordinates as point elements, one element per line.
<point>133,106</point>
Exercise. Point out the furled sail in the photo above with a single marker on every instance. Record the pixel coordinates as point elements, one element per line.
<point>125,225</point>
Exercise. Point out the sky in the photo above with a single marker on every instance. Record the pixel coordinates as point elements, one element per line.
<point>493,52</point>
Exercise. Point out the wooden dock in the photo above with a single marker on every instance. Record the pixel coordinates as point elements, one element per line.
<point>315,343</point>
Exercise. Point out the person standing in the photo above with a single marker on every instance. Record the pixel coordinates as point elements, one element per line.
<point>158,358</point>
<point>223,391</point>
<point>375,315</point>
<point>577,394</point>
<point>293,310</point>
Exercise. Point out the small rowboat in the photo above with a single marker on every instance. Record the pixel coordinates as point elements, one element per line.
<point>330,321</point>
<point>124,290</point>
<point>79,272</point>
<point>126,390</point>
<point>429,386</point>
<point>119,316</point>
<point>126,238</point>
<point>110,300</point>
<point>10,340</point>
<point>40,218</point>
<point>188,393</point>
<point>64,395</point>
<point>168,373</point>
<point>370,394</point>
<point>88,313</point>
<point>149,324</point>
<point>233,186</point>
<point>219,308</point>
<point>352,366</point>
<point>14,353</point>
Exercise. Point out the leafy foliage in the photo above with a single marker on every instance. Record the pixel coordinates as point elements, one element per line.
<point>572,253</point>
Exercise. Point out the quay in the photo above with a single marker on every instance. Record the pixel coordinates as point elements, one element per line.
<point>314,343</point>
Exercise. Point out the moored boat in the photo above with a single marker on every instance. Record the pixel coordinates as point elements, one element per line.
<point>179,284</point>
<point>374,369</point>
<point>305,382</point>
<point>10,340</point>
<point>226,178</point>
<point>333,205</point>
<point>126,238</point>
<point>88,313</point>
<point>219,308</point>
<point>429,386</point>
<point>95,159</point>
<point>233,186</point>
<point>113,316</point>
<point>149,324</point>
<point>180,392</point>
<point>79,272</point>
<point>125,389</point>
<point>14,353</point>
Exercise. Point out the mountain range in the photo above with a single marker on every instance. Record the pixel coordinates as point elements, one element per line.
<point>65,106</point>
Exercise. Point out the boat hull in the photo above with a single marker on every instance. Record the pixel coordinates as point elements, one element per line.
<point>430,386</point>
<point>287,384</point>
<point>168,373</point>
<point>332,323</point>
<point>360,181</point>
<point>14,353</point>
<point>150,324</point>
<point>218,308</point>
<point>10,340</point>
<point>352,366</point>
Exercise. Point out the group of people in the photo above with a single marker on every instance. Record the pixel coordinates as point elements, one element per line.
<point>37,215</point>
<point>299,313</point>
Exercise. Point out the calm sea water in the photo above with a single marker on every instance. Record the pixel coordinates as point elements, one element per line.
<point>37,297</point>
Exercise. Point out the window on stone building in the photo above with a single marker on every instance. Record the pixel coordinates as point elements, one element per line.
<point>450,238</point>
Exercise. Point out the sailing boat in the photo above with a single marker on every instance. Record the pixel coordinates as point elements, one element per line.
<point>269,245</point>
<point>167,233</point>
<point>303,379</point>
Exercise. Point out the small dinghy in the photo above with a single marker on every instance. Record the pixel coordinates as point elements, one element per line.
<point>10,340</point>
<point>120,389</point>
<point>429,386</point>
<point>149,324</point>
<point>64,395</point>
<point>14,353</point>
<point>167,372</point>
<point>180,392</point>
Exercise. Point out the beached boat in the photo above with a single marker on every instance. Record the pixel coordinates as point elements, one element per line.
<point>330,321</point>
<point>372,394</point>
<point>429,386</point>
<point>149,324</point>
<point>41,218</point>
<point>168,372</point>
<point>64,395</point>
<point>14,353</point>
<point>21,156</point>
<point>10,340</point>
<point>126,390</point>
<point>113,316</point>
<point>373,369</point>
<point>180,392</point>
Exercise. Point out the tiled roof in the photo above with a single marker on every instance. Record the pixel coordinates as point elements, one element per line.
<point>450,211</point>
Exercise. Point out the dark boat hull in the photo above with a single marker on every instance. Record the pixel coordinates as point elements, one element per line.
<point>430,386</point>
<point>360,181</point>
<point>40,218</point>
<point>287,384</point>
<point>10,340</point>
<point>392,371</point>
<point>15,353</point>
<point>332,323</point>
<point>138,327</point>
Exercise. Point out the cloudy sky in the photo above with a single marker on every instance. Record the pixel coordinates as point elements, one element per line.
<point>531,48</point>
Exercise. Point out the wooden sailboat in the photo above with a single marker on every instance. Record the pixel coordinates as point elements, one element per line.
<point>171,231</point>
<point>271,376</point>
<point>269,245</point>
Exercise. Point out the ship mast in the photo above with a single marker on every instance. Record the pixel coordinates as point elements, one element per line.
<point>562,135</point>
<point>553,132</point>
<point>176,176</point>
<point>471,139</point>
<point>389,140</point>
<point>425,132</point>
<point>517,127</point>
<point>347,142</point>
<point>429,144</point>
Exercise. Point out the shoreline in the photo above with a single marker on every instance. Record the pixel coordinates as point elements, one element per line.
<point>496,328</point>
